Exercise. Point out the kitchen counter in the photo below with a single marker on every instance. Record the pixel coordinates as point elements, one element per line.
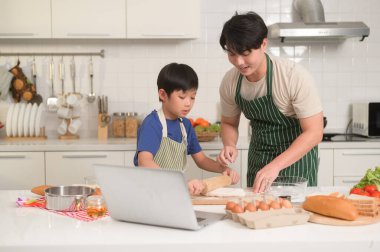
<point>128,144</point>
<point>33,229</point>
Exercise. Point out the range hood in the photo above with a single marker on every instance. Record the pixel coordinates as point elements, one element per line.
<point>312,25</point>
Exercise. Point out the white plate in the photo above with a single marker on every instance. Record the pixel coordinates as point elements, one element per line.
<point>8,123</point>
<point>26,119</point>
<point>32,119</point>
<point>20,123</point>
<point>39,119</point>
<point>15,119</point>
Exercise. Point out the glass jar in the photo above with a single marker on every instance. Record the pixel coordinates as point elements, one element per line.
<point>131,124</point>
<point>118,125</point>
<point>96,206</point>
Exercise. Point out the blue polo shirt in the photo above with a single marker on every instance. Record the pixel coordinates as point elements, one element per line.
<point>149,135</point>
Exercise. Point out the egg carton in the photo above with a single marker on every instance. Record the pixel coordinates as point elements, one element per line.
<point>271,218</point>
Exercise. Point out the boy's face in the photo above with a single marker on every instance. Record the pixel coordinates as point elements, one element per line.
<point>178,104</point>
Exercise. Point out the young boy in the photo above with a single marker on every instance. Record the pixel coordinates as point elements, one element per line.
<point>166,136</point>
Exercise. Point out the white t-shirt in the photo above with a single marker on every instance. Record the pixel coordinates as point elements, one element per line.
<point>293,90</point>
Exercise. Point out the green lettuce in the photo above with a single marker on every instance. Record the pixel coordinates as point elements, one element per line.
<point>372,177</point>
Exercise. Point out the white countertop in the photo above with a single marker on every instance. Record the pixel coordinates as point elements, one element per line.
<point>33,229</point>
<point>128,144</point>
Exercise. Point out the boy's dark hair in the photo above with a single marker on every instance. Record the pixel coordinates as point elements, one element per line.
<point>176,76</point>
<point>243,32</point>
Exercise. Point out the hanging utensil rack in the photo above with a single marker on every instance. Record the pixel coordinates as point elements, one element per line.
<point>101,53</point>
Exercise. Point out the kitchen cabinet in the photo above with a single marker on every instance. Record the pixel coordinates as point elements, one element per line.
<point>326,167</point>
<point>350,165</point>
<point>21,170</point>
<point>129,156</point>
<point>25,19</point>
<point>193,172</point>
<point>163,19</point>
<point>88,19</point>
<point>66,168</point>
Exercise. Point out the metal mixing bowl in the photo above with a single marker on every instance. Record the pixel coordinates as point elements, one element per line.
<point>67,198</point>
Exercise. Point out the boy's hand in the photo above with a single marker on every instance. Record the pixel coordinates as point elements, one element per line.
<point>195,186</point>
<point>227,155</point>
<point>232,174</point>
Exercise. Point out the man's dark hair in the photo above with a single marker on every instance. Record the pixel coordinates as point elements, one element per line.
<point>175,77</point>
<point>243,32</point>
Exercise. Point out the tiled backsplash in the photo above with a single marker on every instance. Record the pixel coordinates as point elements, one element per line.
<point>345,72</point>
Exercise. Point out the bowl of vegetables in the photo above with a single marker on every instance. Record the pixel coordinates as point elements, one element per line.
<point>205,130</point>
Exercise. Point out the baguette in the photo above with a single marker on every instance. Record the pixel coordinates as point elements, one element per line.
<point>215,183</point>
<point>40,190</point>
<point>331,206</point>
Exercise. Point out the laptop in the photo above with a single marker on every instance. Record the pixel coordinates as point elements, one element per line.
<point>150,196</point>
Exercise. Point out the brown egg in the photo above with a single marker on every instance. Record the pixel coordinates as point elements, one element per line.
<point>230,205</point>
<point>264,206</point>
<point>250,207</point>
<point>275,205</point>
<point>237,209</point>
<point>257,202</point>
<point>286,204</point>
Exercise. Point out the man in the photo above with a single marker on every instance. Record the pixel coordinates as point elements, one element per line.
<point>280,100</point>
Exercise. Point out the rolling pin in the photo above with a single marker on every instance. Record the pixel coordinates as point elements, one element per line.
<point>213,183</point>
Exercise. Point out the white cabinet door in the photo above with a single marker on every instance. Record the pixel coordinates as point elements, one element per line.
<point>326,167</point>
<point>346,181</point>
<point>25,19</point>
<point>129,156</point>
<point>66,168</point>
<point>163,18</point>
<point>196,173</point>
<point>88,19</point>
<point>21,170</point>
<point>355,162</point>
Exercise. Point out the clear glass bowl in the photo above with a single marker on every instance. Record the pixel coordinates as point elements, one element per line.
<point>289,186</point>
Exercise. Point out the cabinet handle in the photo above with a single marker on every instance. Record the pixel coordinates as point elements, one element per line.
<point>163,34</point>
<point>360,153</point>
<point>84,156</point>
<point>349,181</point>
<point>18,34</point>
<point>13,157</point>
<point>88,34</point>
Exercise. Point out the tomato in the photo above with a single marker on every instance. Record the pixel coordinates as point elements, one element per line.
<point>375,194</point>
<point>370,188</point>
<point>204,124</point>
<point>356,191</point>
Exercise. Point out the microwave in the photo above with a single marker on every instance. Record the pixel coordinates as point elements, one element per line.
<point>366,119</point>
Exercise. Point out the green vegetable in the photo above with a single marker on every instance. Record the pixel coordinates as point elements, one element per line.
<point>199,129</point>
<point>372,177</point>
<point>214,127</point>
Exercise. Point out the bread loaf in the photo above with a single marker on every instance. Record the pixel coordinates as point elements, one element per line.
<point>40,190</point>
<point>215,183</point>
<point>331,206</point>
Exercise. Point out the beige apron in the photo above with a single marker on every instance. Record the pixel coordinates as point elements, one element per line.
<point>171,155</point>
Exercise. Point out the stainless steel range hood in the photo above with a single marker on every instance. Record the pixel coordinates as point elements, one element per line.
<point>313,26</point>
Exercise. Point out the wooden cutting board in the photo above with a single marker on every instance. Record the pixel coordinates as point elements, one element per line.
<point>203,200</point>
<point>361,220</point>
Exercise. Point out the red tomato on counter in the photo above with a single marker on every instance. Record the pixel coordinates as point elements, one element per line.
<point>370,188</point>
<point>375,194</point>
<point>357,191</point>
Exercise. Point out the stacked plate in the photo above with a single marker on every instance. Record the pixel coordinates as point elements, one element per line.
<point>25,120</point>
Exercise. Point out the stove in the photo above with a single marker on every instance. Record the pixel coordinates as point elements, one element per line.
<point>340,137</point>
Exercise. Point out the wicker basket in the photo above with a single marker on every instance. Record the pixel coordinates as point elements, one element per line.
<point>206,136</point>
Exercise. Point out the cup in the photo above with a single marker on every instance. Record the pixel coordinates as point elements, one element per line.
<point>96,206</point>
<point>74,126</point>
<point>72,100</point>
<point>65,112</point>
<point>62,128</point>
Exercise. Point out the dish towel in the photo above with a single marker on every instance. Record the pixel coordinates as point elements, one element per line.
<point>41,203</point>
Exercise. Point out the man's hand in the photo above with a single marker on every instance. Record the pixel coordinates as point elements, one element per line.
<point>264,178</point>
<point>227,155</point>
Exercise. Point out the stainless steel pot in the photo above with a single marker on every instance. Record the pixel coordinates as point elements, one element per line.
<point>67,198</point>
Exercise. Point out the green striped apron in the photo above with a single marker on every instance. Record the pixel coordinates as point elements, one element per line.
<point>272,134</point>
<point>171,155</point>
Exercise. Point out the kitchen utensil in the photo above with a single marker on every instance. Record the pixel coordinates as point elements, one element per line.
<point>361,220</point>
<point>91,96</point>
<point>289,186</point>
<point>62,75</point>
<point>37,98</point>
<point>67,198</point>
<point>215,182</point>
<point>52,100</point>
